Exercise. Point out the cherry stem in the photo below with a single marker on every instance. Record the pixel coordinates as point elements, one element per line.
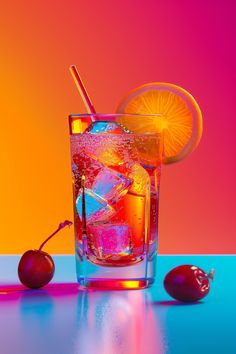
<point>61,226</point>
<point>211,274</point>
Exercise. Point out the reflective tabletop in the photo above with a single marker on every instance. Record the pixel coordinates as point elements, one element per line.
<point>62,318</point>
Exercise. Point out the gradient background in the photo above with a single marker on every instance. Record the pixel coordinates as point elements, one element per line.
<point>117,45</point>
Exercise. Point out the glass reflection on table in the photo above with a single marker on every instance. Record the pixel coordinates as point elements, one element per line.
<point>117,322</point>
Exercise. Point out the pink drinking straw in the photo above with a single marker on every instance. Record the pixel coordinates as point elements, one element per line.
<point>90,109</point>
<point>82,90</point>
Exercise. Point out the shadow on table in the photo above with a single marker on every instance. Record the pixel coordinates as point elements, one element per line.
<point>168,303</point>
<point>11,292</point>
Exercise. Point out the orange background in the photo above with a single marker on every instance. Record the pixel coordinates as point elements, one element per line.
<point>117,45</point>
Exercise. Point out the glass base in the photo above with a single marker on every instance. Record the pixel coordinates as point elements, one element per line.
<point>136,276</point>
<point>115,284</point>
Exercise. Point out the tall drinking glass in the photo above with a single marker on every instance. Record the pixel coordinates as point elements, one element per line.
<point>116,178</point>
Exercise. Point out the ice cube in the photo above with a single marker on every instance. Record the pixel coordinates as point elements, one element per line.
<point>85,167</point>
<point>104,127</point>
<point>111,185</point>
<point>110,239</point>
<point>141,180</point>
<point>96,208</point>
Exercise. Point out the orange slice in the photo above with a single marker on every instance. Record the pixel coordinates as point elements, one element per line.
<point>170,110</point>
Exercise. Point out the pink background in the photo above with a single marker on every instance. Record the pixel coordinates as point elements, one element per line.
<point>117,45</point>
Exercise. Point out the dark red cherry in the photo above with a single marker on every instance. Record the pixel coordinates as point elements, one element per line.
<point>36,267</point>
<point>188,283</point>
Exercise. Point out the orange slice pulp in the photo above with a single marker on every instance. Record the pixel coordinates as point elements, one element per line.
<point>170,110</point>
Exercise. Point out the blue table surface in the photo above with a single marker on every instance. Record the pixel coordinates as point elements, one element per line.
<point>63,319</point>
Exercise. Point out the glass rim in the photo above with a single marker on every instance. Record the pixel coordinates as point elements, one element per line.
<point>102,117</point>
<point>74,115</point>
